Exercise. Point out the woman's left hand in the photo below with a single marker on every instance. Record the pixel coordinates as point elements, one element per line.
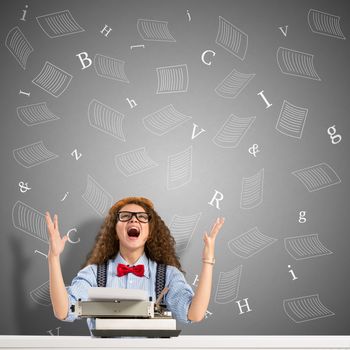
<point>209,240</point>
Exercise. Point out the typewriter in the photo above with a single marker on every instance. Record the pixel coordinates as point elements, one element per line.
<point>125,313</point>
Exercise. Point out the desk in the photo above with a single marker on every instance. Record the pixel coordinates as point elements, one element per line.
<point>181,342</point>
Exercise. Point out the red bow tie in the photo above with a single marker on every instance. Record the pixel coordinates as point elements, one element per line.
<point>137,270</point>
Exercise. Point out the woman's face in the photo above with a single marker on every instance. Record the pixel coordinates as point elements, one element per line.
<point>133,233</point>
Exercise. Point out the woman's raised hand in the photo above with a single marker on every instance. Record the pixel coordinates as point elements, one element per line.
<point>209,240</point>
<point>56,242</point>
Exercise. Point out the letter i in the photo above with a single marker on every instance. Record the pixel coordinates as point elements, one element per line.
<point>24,14</point>
<point>292,273</point>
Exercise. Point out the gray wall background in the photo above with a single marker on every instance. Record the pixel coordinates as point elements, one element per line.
<point>266,279</point>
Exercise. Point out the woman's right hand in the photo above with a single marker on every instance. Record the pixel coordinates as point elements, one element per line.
<point>56,242</point>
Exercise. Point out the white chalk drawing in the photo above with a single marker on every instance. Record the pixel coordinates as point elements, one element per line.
<point>19,46</point>
<point>110,68</point>
<point>232,39</point>
<point>41,294</point>
<point>233,84</point>
<point>305,247</point>
<point>34,114</point>
<point>250,243</point>
<point>317,177</point>
<point>232,131</point>
<point>252,190</point>
<point>325,24</point>
<point>29,220</point>
<point>59,24</point>
<point>52,79</point>
<point>179,169</point>
<point>164,120</point>
<point>296,63</point>
<point>151,30</point>
<point>291,120</point>
<point>306,308</point>
<point>134,162</point>
<point>106,119</point>
<point>182,229</point>
<point>228,286</point>
<point>97,197</point>
<point>172,79</point>
<point>33,154</point>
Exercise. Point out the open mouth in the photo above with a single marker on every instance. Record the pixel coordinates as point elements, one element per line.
<point>133,232</point>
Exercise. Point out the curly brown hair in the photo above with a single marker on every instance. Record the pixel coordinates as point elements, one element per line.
<point>160,244</point>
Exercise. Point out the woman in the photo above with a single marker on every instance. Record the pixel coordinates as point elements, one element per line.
<point>133,234</point>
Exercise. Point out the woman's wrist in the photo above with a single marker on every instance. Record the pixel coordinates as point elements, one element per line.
<point>53,258</point>
<point>210,261</point>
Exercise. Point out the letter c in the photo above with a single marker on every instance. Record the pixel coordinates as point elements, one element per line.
<point>69,240</point>
<point>204,53</point>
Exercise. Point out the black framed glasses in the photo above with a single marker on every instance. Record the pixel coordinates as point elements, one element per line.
<point>127,215</point>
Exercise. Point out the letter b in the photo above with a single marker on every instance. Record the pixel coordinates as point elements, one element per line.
<point>84,59</point>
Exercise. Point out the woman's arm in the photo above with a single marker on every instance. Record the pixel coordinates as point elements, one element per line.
<point>58,293</point>
<point>201,298</point>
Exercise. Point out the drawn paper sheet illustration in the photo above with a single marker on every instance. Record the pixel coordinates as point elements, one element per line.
<point>317,177</point>
<point>110,68</point>
<point>233,84</point>
<point>33,154</point>
<point>19,46</point>
<point>154,30</point>
<point>252,190</point>
<point>250,243</point>
<point>232,39</point>
<point>59,24</point>
<point>182,228</point>
<point>228,286</point>
<point>291,120</point>
<point>30,221</point>
<point>134,162</point>
<point>306,308</point>
<point>106,119</point>
<point>96,196</point>
<point>297,63</point>
<point>53,80</point>
<point>232,131</point>
<point>325,24</point>
<point>41,294</point>
<point>164,120</point>
<point>172,79</point>
<point>305,247</point>
<point>34,114</point>
<point>179,169</point>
